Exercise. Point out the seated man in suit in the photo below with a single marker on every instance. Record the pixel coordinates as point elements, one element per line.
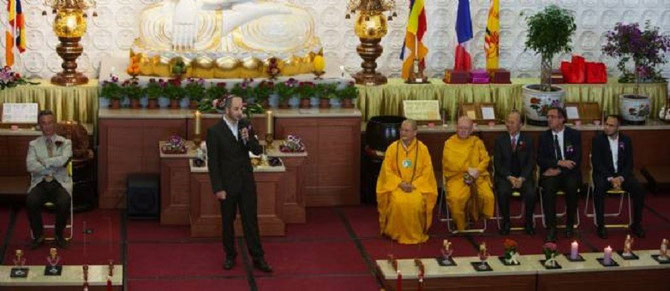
<point>47,160</point>
<point>559,157</point>
<point>465,163</point>
<point>406,188</point>
<point>612,159</point>
<point>514,162</point>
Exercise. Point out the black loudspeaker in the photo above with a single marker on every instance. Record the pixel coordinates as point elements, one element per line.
<point>143,196</point>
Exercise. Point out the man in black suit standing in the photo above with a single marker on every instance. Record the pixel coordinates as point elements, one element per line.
<point>612,159</point>
<point>559,157</point>
<point>513,162</point>
<point>228,145</point>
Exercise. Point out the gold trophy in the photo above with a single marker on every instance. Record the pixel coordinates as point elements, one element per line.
<point>19,270</point>
<point>69,26</point>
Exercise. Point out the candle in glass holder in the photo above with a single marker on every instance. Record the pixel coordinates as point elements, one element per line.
<point>269,122</point>
<point>574,250</point>
<point>607,256</point>
<point>198,118</point>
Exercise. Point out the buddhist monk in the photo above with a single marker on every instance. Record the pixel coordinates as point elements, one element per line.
<point>406,188</point>
<point>468,183</point>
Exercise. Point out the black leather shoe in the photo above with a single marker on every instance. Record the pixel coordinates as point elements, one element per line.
<point>504,228</point>
<point>61,242</point>
<point>529,229</point>
<point>551,235</point>
<point>638,231</point>
<point>569,232</point>
<point>229,263</point>
<point>602,232</point>
<point>262,265</point>
<point>37,242</point>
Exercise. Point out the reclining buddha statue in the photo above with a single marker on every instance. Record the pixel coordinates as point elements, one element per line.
<point>225,38</point>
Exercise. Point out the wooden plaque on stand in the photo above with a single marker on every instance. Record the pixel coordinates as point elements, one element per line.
<point>583,112</point>
<point>480,113</point>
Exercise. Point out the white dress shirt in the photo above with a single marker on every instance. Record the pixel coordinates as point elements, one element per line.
<point>560,140</point>
<point>233,126</point>
<point>614,148</point>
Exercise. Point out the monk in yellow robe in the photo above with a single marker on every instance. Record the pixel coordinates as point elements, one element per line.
<point>464,166</point>
<point>406,188</point>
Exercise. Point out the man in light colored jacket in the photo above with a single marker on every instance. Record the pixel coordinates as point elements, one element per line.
<point>48,156</point>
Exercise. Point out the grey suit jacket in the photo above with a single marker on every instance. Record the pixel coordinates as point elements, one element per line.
<point>55,166</point>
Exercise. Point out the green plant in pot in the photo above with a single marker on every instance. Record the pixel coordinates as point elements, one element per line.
<point>348,94</point>
<point>646,50</point>
<point>306,90</point>
<point>286,90</point>
<point>195,91</point>
<point>112,92</point>
<point>131,89</point>
<point>549,33</point>
<point>263,91</point>
<point>174,92</point>
<point>153,90</point>
<point>328,91</point>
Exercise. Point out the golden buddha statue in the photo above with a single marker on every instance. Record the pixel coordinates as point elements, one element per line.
<point>225,38</point>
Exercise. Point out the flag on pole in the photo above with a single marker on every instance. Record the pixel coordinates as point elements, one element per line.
<point>463,61</point>
<point>17,27</point>
<point>416,29</point>
<point>492,38</point>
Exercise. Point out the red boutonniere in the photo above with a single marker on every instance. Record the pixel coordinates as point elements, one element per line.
<point>569,149</point>
<point>58,143</point>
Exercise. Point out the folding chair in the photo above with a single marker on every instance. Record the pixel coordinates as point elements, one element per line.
<point>611,192</point>
<point>51,206</point>
<point>516,195</point>
<point>558,214</point>
<point>442,202</point>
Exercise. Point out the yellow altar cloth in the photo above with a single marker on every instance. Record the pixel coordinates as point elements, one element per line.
<point>78,103</point>
<point>387,99</point>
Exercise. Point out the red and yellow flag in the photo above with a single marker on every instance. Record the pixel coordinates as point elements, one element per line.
<point>492,38</point>
<point>17,26</point>
<point>416,29</point>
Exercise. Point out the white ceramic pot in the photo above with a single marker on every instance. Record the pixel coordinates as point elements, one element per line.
<point>536,103</point>
<point>634,109</point>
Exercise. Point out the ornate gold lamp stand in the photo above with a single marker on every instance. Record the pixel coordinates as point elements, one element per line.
<point>69,26</point>
<point>370,27</point>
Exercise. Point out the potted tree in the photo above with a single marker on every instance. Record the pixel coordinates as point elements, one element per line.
<point>549,34</point>
<point>646,49</point>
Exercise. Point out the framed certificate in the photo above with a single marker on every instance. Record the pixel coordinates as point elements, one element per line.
<point>423,111</point>
<point>19,113</point>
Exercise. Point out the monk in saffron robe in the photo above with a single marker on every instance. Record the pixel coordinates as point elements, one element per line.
<point>468,183</point>
<point>406,188</point>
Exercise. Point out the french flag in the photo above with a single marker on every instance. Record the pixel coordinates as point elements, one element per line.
<point>463,61</point>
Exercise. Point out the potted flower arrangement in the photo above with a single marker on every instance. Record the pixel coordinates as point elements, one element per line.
<point>263,92</point>
<point>306,90</point>
<point>511,256</point>
<point>348,94</point>
<point>175,145</point>
<point>10,79</point>
<point>174,92</point>
<point>131,89</point>
<point>111,92</point>
<point>328,91</point>
<point>194,91</point>
<point>244,90</point>
<point>549,33</point>
<point>286,90</point>
<point>646,49</point>
<point>153,91</point>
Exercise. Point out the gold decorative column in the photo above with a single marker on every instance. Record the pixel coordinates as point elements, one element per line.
<point>69,26</point>
<point>370,27</point>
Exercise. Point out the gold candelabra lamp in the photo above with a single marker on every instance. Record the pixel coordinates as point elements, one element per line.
<point>370,26</point>
<point>69,25</point>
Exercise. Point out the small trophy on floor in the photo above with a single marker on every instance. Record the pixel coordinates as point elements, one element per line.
<point>627,253</point>
<point>446,251</point>
<point>53,268</point>
<point>19,270</point>
<point>662,256</point>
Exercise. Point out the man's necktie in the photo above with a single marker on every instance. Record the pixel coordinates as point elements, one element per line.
<point>514,144</point>
<point>557,148</point>
<point>50,147</point>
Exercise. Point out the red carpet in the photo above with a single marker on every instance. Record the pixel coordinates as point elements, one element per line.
<point>178,284</point>
<point>322,283</point>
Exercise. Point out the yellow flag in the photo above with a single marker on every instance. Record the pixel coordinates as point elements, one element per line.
<point>492,38</point>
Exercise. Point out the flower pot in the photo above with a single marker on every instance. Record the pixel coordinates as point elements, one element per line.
<point>634,109</point>
<point>174,104</point>
<point>144,101</point>
<point>153,104</point>
<point>265,104</point>
<point>536,103</point>
<point>135,103</point>
<point>347,103</point>
<point>324,103</point>
<point>284,104</point>
<point>294,102</point>
<point>103,102</point>
<point>304,103</point>
<point>116,104</point>
<point>335,103</point>
<point>314,102</point>
<point>273,100</point>
<point>125,102</point>
<point>184,102</point>
<point>163,102</point>
<point>194,104</point>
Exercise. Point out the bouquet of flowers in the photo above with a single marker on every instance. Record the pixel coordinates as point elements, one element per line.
<point>550,252</point>
<point>9,79</point>
<point>292,144</point>
<point>511,253</point>
<point>174,145</point>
